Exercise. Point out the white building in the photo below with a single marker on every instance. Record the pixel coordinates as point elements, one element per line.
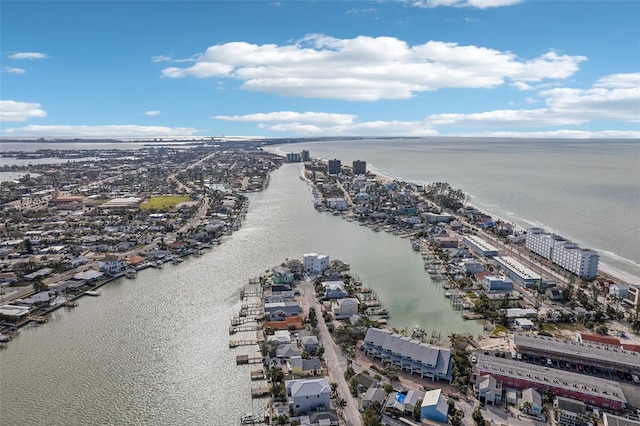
<point>111,265</point>
<point>564,253</point>
<point>337,203</point>
<point>480,246</point>
<point>344,308</point>
<point>517,271</point>
<point>306,395</point>
<point>315,263</point>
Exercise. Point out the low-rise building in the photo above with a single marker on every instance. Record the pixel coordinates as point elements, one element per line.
<point>434,406</point>
<point>531,402</point>
<point>344,308</point>
<point>570,412</point>
<point>497,283</point>
<point>307,395</point>
<point>488,390</point>
<point>480,246</point>
<point>315,263</point>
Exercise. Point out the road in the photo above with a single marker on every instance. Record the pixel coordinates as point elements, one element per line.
<point>336,363</point>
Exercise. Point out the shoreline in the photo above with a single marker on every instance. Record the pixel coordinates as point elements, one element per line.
<point>606,268</point>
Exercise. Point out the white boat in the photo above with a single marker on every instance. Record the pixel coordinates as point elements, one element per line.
<point>92,293</point>
<point>249,418</point>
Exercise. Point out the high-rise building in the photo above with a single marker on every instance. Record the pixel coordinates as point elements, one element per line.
<point>359,167</point>
<point>305,155</point>
<point>334,166</point>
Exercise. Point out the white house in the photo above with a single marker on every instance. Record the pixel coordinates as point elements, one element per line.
<point>112,265</point>
<point>315,263</point>
<point>344,308</point>
<point>306,395</point>
<point>488,390</point>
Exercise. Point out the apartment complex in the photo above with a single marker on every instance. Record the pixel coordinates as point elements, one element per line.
<point>562,252</point>
<point>359,167</point>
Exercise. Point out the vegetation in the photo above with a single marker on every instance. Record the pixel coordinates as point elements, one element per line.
<point>462,369</point>
<point>164,202</point>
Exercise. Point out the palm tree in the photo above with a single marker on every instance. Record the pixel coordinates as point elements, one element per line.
<point>526,407</point>
<point>334,389</point>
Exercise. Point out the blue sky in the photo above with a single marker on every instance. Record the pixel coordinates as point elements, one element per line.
<point>320,68</point>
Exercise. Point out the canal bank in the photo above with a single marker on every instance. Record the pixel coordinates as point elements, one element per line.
<point>155,349</point>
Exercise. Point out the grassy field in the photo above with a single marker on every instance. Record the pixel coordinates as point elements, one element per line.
<point>164,202</point>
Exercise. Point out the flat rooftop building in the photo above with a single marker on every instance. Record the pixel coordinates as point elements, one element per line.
<point>591,354</point>
<point>517,271</point>
<point>519,375</point>
<point>480,246</point>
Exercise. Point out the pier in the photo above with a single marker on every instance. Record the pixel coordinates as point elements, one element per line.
<point>244,342</point>
<point>260,392</point>
<point>258,375</point>
<point>240,328</point>
<point>246,359</point>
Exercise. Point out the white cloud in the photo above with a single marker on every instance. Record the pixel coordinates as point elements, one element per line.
<point>154,112</point>
<point>478,4</point>
<point>20,111</point>
<point>125,130</point>
<point>160,58</point>
<point>288,116</point>
<point>619,81</point>
<point>370,69</point>
<point>569,134</point>
<point>29,55</point>
<point>13,70</point>
<point>564,106</point>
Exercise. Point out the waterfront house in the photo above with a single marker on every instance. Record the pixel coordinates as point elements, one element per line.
<point>334,290</point>
<point>284,291</point>
<point>315,263</point>
<point>88,276</point>
<point>619,291</point>
<point>42,298</point>
<point>497,283</point>
<point>344,308</point>
<point>280,310</point>
<point>285,323</point>
<point>307,395</point>
<point>112,265</point>
<point>281,337</point>
<point>282,275</point>
<point>320,418</point>
<point>286,351</point>
<point>434,406</point>
<point>408,354</point>
<point>305,367</point>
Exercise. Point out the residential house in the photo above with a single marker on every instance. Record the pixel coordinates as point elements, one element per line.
<point>344,308</point>
<point>281,337</point>
<point>282,275</point>
<point>488,390</point>
<point>280,310</point>
<point>633,296</point>
<point>307,395</point>
<point>372,395</point>
<point>320,418</point>
<point>112,265</point>
<point>403,403</point>
<point>497,283</point>
<point>286,351</point>
<point>531,402</point>
<point>523,323</point>
<point>315,263</point>
<point>305,367</point>
<point>309,343</point>
<point>434,406</point>
<point>334,290</point>
<point>619,291</point>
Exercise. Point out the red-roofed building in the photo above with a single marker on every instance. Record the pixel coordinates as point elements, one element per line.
<point>294,322</point>
<point>599,338</point>
<point>631,347</point>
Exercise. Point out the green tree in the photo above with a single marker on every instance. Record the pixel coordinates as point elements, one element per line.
<point>417,410</point>
<point>370,417</point>
<point>477,416</point>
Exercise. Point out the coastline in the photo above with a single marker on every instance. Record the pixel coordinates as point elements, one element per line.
<point>603,266</point>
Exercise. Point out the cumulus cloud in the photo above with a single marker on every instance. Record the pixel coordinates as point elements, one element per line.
<point>478,4</point>
<point>564,106</point>
<point>12,70</point>
<point>619,81</point>
<point>29,55</point>
<point>153,112</point>
<point>124,130</point>
<point>20,111</point>
<point>370,68</point>
<point>290,116</point>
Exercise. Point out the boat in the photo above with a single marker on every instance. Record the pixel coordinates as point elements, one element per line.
<point>93,293</point>
<point>249,418</point>
<point>5,338</point>
<point>131,273</point>
<point>377,312</point>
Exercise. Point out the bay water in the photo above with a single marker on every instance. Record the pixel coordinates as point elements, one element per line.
<point>154,350</point>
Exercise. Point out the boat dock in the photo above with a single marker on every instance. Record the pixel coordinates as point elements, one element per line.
<point>244,342</point>
<point>246,359</point>
<point>241,328</point>
<point>260,392</point>
<point>258,375</point>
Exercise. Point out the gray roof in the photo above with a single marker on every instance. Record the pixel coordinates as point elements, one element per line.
<point>424,353</point>
<point>571,405</point>
<point>590,352</point>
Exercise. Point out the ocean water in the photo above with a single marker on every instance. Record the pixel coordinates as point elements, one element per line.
<point>585,190</point>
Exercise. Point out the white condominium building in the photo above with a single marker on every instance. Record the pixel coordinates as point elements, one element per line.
<point>564,253</point>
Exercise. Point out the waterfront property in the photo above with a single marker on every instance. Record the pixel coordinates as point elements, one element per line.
<point>518,375</point>
<point>562,252</point>
<point>307,395</point>
<point>410,355</point>
<point>345,308</point>
<point>315,263</point>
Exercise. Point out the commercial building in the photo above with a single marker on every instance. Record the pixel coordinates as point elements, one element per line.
<point>408,354</point>
<point>604,357</point>
<point>520,375</point>
<point>359,167</point>
<point>334,167</point>
<point>480,246</point>
<point>562,252</point>
<point>519,273</point>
